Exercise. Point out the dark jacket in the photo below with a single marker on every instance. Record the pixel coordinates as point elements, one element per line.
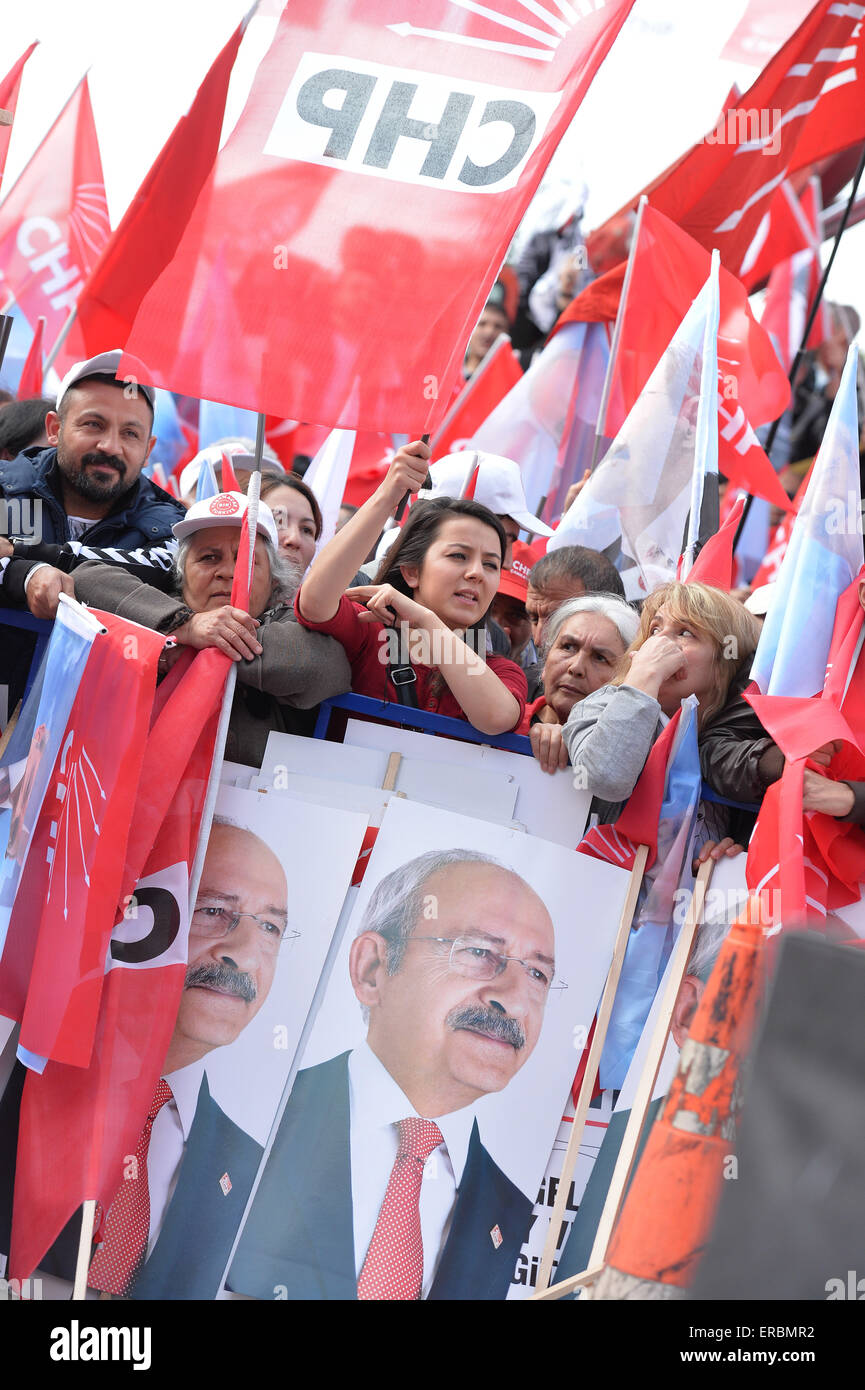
<point>298,1240</point>
<point>143,515</point>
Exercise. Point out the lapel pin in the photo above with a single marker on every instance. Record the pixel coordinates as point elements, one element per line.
<point>496,1236</point>
<point>225,1184</point>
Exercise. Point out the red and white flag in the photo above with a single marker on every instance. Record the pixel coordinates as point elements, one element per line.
<point>54,224</point>
<point>65,905</point>
<point>10,86</point>
<point>382,165</point>
<point>77,1124</point>
<point>807,103</point>
<point>668,270</point>
<point>793,288</point>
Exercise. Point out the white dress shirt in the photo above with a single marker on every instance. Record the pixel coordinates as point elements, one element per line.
<point>168,1138</point>
<point>376,1106</point>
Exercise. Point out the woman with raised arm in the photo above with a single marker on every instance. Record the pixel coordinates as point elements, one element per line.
<point>422,623</point>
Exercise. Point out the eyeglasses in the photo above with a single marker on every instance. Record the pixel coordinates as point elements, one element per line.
<point>213,921</point>
<point>472,957</point>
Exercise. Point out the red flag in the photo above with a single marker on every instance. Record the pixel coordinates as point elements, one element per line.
<point>714,564</point>
<point>497,373</point>
<point>54,224</point>
<point>67,901</point>
<point>372,184</point>
<point>30,383</point>
<point>668,270</point>
<point>77,1124</point>
<point>793,288</point>
<point>228,476</point>
<point>782,232</point>
<point>9,89</point>
<point>147,237</point>
<point>807,103</point>
<point>638,823</point>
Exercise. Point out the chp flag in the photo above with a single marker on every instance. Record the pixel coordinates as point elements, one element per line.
<point>78,1123</point>
<point>54,224</point>
<point>384,159</point>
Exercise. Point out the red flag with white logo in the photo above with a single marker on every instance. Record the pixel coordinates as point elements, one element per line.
<point>807,103</point>
<point>65,906</point>
<point>793,288</point>
<point>354,223</point>
<point>77,1124</point>
<point>54,224</point>
<point>10,86</point>
<point>668,270</point>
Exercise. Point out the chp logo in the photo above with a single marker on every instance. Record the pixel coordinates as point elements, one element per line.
<point>408,125</point>
<point>154,928</point>
<point>224,504</point>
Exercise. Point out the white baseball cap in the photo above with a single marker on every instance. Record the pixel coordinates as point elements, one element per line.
<point>499,486</point>
<point>760,601</point>
<point>240,458</point>
<point>225,509</point>
<point>107,364</point>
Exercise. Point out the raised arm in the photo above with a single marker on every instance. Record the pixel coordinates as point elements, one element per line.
<point>336,565</point>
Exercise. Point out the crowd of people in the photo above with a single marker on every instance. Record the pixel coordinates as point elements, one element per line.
<point>450,611</point>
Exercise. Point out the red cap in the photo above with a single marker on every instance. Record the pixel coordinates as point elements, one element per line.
<point>513,585</point>
<point>527,556</point>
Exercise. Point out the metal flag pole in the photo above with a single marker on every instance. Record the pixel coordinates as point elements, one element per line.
<point>770,438</point>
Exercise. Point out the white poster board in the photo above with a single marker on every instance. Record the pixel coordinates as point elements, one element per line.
<point>518,1113</point>
<point>547,804</point>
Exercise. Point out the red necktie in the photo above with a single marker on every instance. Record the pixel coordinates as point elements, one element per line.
<point>116,1263</point>
<point>393,1267</point>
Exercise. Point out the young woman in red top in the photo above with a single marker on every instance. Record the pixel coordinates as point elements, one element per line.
<point>434,586</point>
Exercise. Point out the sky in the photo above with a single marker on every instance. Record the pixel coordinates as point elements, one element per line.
<point>659,90</point>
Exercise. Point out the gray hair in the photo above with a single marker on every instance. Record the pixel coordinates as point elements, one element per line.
<point>623,617</point>
<point>284,575</point>
<point>397,902</point>
<point>570,563</point>
<point>708,940</point>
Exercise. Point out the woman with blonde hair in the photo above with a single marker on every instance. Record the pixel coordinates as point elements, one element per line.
<point>692,640</point>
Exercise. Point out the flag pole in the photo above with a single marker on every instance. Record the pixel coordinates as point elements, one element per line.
<point>770,438</point>
<point>252,492</point>
<point>61,337</point>
<point>617,333</point>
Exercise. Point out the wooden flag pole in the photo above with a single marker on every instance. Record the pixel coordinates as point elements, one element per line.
<point>602,1021</point>
<point>643,1097</point>
<point>85,1245</point>
<point>617,333</point>
<point>391,772</point>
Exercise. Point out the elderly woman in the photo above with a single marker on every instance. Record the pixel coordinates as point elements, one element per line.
<point>283,669</point>
<point>585,639</point>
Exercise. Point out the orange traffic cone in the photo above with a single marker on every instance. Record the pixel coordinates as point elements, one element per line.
<point>667,1215</point>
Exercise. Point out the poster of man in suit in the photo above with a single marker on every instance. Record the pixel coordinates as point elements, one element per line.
<point>428,1096</point>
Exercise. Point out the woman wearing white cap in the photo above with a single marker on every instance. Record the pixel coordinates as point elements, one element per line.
<point>283,669</point>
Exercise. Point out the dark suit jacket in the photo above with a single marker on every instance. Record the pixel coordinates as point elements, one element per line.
<point>200,1224</point>
<point>298,1239</point>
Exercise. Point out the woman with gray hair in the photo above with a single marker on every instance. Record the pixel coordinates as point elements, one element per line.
<point>283,669</point>
<point>584,640</point>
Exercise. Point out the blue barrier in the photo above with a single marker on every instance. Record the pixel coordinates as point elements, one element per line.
<point>425,722</point>
<point>11,617</point>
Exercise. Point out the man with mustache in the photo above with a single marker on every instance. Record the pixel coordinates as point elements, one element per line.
<point>186,1190</point>
<point>200,1165</point>
<point>452,967</point>
<point>88,484</point>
